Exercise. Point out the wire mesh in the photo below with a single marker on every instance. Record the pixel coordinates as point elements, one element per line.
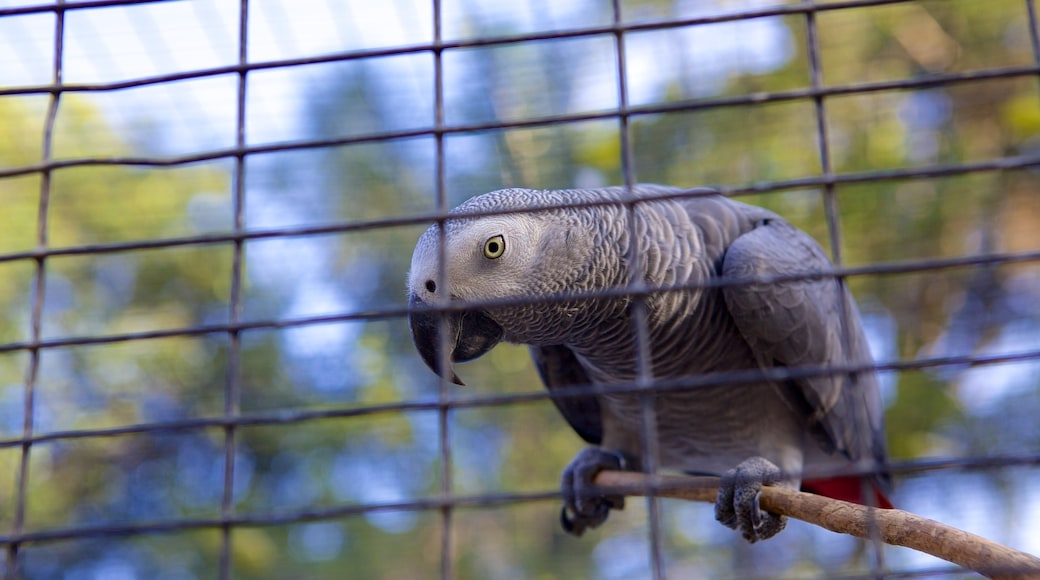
<point>229,420</point>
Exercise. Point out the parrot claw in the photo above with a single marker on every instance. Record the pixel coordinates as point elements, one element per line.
<point>737,505</point>
<point>582,508</point>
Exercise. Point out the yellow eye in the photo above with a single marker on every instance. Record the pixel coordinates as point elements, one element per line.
<point>494,247</point>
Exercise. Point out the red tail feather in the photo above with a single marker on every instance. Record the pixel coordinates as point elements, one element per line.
<point>849,489</point>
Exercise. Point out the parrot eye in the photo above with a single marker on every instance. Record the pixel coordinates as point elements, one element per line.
<point>494,247</point>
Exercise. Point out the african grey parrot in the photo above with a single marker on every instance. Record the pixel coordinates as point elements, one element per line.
<point>763,432</point>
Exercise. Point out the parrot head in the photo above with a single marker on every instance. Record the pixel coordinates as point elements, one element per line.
<point>487,259</point>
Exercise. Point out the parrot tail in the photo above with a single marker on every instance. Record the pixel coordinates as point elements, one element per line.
<point>849,488</point>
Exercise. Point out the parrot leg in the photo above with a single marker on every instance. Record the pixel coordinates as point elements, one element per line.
<point>737,503</point>
<point>582,508</point>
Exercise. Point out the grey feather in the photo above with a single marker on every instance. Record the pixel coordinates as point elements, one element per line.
<point>559,369</point>
<point>679,240</point>
<point>800,323</point>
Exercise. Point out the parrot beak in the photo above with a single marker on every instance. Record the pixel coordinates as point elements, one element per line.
<point>469,334</point>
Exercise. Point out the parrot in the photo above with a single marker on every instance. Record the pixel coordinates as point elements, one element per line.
<point>524,266</point>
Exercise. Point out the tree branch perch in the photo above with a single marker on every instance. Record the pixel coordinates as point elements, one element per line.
<point>896,527</point>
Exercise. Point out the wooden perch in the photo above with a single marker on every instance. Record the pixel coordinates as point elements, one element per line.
<point>893,526</point>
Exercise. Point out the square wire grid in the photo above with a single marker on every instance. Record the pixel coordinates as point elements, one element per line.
<point>818,93</point>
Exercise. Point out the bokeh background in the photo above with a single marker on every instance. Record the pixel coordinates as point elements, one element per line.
<point>906,87</point>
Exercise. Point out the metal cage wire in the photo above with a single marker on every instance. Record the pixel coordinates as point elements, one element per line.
<point>232,418</point>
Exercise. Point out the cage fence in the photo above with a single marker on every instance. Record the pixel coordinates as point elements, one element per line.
<point>209,208</point>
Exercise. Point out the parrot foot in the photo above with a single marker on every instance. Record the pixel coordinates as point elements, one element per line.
<point>582,508</point>
<point>737,506</point>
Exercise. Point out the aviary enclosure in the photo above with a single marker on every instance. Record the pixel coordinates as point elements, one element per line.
<point>207,210</point>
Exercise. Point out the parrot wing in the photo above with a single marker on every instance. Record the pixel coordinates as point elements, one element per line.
<point>560,369</point>
<point>799,323</point>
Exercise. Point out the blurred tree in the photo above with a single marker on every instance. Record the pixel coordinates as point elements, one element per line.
<point>111,479</point>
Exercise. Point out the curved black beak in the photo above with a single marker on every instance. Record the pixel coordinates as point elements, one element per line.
<point>467,335</point>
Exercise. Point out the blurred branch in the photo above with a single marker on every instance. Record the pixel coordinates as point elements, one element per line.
<point>896,527</point>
